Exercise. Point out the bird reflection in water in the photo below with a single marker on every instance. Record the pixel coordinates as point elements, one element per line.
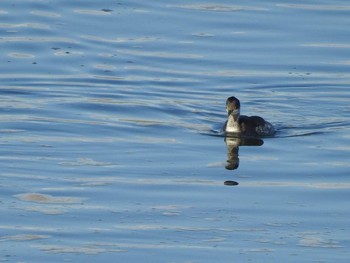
<point>233,144</point>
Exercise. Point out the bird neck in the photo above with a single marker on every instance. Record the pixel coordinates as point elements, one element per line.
<point>233,123</point>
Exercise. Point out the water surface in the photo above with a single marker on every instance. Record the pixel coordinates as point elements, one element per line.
<point>110,131</point>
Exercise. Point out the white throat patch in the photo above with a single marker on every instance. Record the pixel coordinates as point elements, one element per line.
<point>232,125</point>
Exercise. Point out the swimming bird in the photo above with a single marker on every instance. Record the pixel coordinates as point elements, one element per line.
<point>245,125</point>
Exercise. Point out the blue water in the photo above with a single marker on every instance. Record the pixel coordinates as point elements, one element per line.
<point>111,148</point>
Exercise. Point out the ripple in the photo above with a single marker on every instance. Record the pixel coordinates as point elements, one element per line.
<point>85,161</point>
<point>203,34</point>
<point>103,12</point>
<point>20,55</point>
<point>45,198</point>
<point>119,39</point>
<point>38,39</point>
<point>316,7</point>
<point>220,8</point>
<point>45,14</point>
<point>23,237</point>
<point>28,25</point>
<point>105,67</point>
<point>88,250</point>
<point>315,241</point>
<point>63,53</point>
<point>283,184</point>
<point>330,45</point>
<point>160,54</point>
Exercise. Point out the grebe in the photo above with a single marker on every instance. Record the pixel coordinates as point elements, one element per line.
<point>244,125</point>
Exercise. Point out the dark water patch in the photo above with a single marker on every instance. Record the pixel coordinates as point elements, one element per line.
<point>15,91</point>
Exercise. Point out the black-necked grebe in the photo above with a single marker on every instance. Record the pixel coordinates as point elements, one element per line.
<point>244,125</point>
